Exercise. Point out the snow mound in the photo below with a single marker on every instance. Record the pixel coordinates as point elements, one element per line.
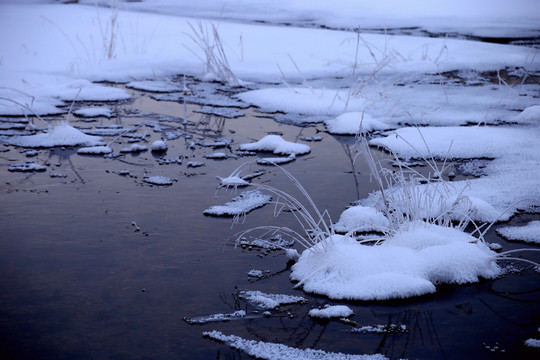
<point>94,150</point>
<point>535,343</point>
<point>408,264</point>
<point>158,146</point>
<point>135,148</point>
<point>232,181</point>
<point>276,160</point>
<point>158,180</point>
<point>240,314</point>
<point>62,134</point>
<point>273,351</point>
<point>26,167</point>
<point>380,329</point>
<point>270,301</point>
<point>528,233</point>
<point>246,202</point>
<point>334,311</point>
<point>529,115</point>
<point>354,123</point>
<point>277,145</point>
<point>361,219</point>
<point>92,112</point>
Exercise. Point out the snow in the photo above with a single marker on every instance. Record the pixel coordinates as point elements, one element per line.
<point>275,160</point>
<point>270,301</point>
<point>154,86</point>
<point>158,180</point>
<point>410,263</point>
<point>221,112</point>
<point>232,181</point>
<point>241,205</point>
<point>216,156</point>
<point>528,233</point>
<point>62,134</point>
<point>94,150</point>
<point>158,146</point>
<point>26,167</point>
<point>239,314</point>
<point>135,148</point>
<point>91,112</point>
<point>361,219</point>
<point>354,123</point>
<point>331,311</point>
<point>277,145</point>
<point>380,329</point>
<point>535,343</point>
<point>530,115</point>
<point>273,351</point>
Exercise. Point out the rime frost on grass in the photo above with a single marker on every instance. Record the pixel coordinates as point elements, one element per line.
<point>243,204</point>
<point>410,263</point>
<point>94,150</point>
<point>91,112</point>
<point>354,123</point>
<point>26,167</point>
<point>361,219</point>
<point>277,145</point>
<point>199,320</point>
<point>528,233</point>
<point>273,351</point>
<point>158,180</point>
<point>270,301</point>
<point>62,134</point>
<point>331,311</point>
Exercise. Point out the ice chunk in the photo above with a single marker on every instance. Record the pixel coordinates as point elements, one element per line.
<point>158,180</point>
<point>246,202</point>
<point>62,134</point>
<point>158,146</point>
<point>331,311</point>
<point>277,145</point>
<point>94,150</point>
<point>270,301</point>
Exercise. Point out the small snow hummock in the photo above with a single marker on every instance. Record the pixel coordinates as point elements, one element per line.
<point>216,156</point>
<point>331,311</point>
<point>361,219</point>
<point>94,150</point>
<point>354,123</point>
<point>62,134</point>
<point>529,115</point>
<point>257,273</point>
<point>26,167</point>
<point>409,263</point>
<point>273,351</point>
<point>270,301</point>
<point>246,202</point>
<point>158,180</point>
<point>215,318</point>
<point>277,145</point>
<point>528,233</point>
<point>276,160</point>
<point>195,164</point>
<point>91,112</point>
<point>232,181</point>
<point>159,146</point>
<point>535,343</point>
<point>392,328</point>
<point>154,86</point>
<point>135,148</point>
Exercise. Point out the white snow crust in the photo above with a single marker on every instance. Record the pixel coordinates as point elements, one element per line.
<point>94,150</point>
<point>361,218</point>
<point>158,180</point>
<point>354,123</point>
<point>270,301</point>
<point>240,205</point>
<point>331,311</point>
<point>91,112</point>
<point>528,233</point>
<point>274,351</point>
<point>277,145</point>
<point>62,134</point>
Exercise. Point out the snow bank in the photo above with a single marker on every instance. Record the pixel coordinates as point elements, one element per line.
<point>411,263</point>
<point>354,123</point>
<point>528,233</point>
<point>62,134</point>
<point>277,145</point>
<point>331,311</point>
<point>361,219</point>
<point>243,204</point>
<point>273,351</point>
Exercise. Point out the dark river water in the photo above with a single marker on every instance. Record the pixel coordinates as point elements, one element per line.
<point>77,281</point>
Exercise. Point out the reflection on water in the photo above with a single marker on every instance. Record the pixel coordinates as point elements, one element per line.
<point>79,282</point>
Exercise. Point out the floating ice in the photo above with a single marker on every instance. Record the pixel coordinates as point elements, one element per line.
<point>408,264</point>
<point>62,134</point>
<point>354,123</point>
<point>154,86</point>
<point>277,145</point>
<point>535,343</point>
<point>158,180</point>
<point>220,111</point>
<point>216,156</point>
<point>195,164</point>
<point>331,311</point>
<point>240,314</point>
<point>270,301</point>
<point>276,160</point>
<point>243,204</point>
<point>91,112</point>
<point>273,351</point>
<point>361,219</point>
<point>94,150</point>
<point>380,329</point>
<point>232,181</point>
<point>528,233</point>
<point>135,148</point>
<point>26,167</point>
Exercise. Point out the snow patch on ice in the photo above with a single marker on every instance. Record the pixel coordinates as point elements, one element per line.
<point>277,145</point>
<point>158,180</point>
<point>361,219</point>
<point>243,204</point>
<point>91,112</point>
<point>62,134</point>
<point>331,311</point>
<point>270,301</point>
<point>94,150</point>
<point>354,123</point>
<point>528,233</point>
